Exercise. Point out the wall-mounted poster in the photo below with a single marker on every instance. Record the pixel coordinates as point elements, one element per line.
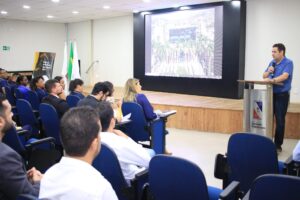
<point>43,64</point>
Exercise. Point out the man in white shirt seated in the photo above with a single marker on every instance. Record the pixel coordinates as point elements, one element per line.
<point>74,177</point>
<point>296,152</point>
<point>132,157</point>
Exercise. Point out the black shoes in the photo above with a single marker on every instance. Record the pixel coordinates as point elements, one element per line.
<point>279,149</point>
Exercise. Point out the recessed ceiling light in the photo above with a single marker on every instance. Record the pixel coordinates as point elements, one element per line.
<point>146,13</point>
<point>3,12</point>
<point>55,1</point>
<point>146,1</point>
<point>50,16</point>
<point>184,8</point>
<point>26,7</point>
<point>75,12</point>
<point>106,7</point>
<point>236,3</point>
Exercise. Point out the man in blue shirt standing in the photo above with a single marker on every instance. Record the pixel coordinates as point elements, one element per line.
<point>280,70</point>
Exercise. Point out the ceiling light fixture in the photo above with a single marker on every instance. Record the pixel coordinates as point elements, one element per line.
<point>145,13</point>
<point>106,7</point>
<point>3,12</point>
<point>50,16</point>
<point>26,7</point>
<point>55,1</point>
<point>184,8</point>
<point>236,3</point>
<point>75,12</point>
<point>146,1</point>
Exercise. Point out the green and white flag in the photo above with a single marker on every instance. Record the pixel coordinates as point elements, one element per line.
<point>73,66</point>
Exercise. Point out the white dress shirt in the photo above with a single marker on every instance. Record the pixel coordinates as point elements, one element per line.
<point>132,157</point>
<point>75,179</point>
<point>296,152</point>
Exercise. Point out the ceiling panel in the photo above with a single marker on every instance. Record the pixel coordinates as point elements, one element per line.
<point>88,9</point>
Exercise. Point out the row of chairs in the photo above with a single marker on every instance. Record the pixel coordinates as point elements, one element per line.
<point>44,121</point>
<point>250,170</point>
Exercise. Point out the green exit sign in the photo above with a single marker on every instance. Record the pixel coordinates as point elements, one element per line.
<point>6,48</point>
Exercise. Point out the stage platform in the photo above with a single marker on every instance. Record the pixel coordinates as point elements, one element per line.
<point>209,114</point>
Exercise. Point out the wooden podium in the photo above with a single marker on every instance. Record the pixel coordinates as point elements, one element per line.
<point>258,107</point>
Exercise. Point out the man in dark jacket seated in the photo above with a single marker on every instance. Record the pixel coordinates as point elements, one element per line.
<point>99,93</point>
<point>14,180</point>
<point>54,89</point>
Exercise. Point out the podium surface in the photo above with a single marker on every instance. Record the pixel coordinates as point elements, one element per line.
<point>258,107</point>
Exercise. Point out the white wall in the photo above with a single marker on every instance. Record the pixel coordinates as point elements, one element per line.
<point>25,38</point>
<point>269,22</point>
<point>81,33</point>
<point>113,47</point>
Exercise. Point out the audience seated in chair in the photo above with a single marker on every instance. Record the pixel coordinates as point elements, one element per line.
<point>54,89</point>
<point>74,177</point>
<point>116,105</point>
<point>23,88</point>
<point>133,157</point>
<point>14,178</point>
<point>132,93</point>
<point>37,85</point>
<point>3,80</point>
<point>76,88</point>
<point>12,82</point>
<point>61,81</point>
<point>99,93</point>
<point>296,152</point>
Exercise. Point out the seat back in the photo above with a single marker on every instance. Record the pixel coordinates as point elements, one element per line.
<point>10,95</point>
<point>108,165</point>
<point>176,178</point>
<point>26,115</point>
<point>18,94</point>
<point>275,187</point>
<point>33,99</point>
<point>72,100</point>
<point>11,138</point>
<point>249,156</point>
<point>138,129</point>
<point>50,121</point>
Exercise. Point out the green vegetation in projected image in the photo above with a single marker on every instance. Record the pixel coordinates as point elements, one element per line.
<point>183,44</point>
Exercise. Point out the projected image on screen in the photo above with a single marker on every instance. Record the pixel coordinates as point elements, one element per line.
<point>185,43</point>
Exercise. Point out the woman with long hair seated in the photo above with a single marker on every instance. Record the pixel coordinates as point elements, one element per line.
<point>132,93</point>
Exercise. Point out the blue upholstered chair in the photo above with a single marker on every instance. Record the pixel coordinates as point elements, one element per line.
<point>248,156</point>
<point>27,116</point>
<point>33,99</point>
<point>27,147</point>
<point>18,94</point>
<point>10,96</point>
<point>108,165</point>
<point>50,122</point>
<point>275,187</point>
<point>139,129</point>
<point>26,197</point>
<point>72,100</point>
<point>173,178</point>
